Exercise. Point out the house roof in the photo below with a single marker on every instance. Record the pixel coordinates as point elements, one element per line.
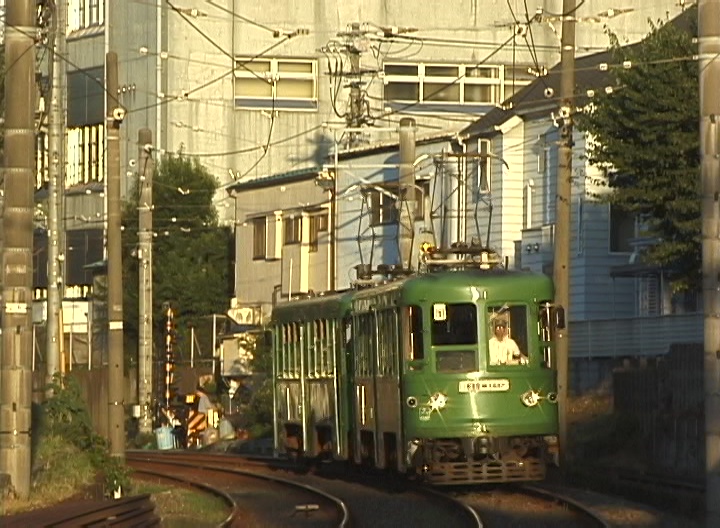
<point>392,145</point>
<point>309,173</point>
<point>532,98</point>
<point>293,176</point>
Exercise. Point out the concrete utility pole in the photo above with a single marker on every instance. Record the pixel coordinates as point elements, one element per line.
<point>17,345</point>
<point>561,268</point>
<point>116,401</point>
<point>406,192</point>
<point>56,176</point>
<point>355,116</point>
<point>145,295</point>
<point>709,50</point>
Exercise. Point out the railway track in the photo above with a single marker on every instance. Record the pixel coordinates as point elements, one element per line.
<point>277,493</point>
<point>257,499</point>
<point>394,502</point>
<point>137,511</point>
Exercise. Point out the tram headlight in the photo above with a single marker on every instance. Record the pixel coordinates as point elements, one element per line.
<point>437,401</point>
<point>530,398</point>
<point>412,402</point>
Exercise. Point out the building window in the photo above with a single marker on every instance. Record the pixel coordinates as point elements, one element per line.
<point>318,224</point>
<point>86,97</point>
<point>41,160</point>
<point>484,165</point>
<point>259,238</point>
<point>292,228</point>
<point>384,206</point>
<point>622,230</point>
<point>286,84</point>
<point>452,84</point>
<point>85,13</point>
<point>85,155</point>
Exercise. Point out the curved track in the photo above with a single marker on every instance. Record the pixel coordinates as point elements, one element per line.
<point>369,500</point>
<point>258,499</point>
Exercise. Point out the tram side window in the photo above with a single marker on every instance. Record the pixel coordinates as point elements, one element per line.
<point>283,359</point>
<point>295,349</point>
<point>387,338</point>
<point>321,347</point>
<point>331,331</point>
<point>364,343</point>
<point>545,333</point>
<point>508,335</point>
<point>311,349</point>
<point>414,339</point>
<point>454,324</point>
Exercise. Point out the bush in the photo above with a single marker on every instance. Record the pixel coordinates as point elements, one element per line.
<point>65,416</point>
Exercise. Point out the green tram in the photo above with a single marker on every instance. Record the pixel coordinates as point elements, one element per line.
<point>420,375</point>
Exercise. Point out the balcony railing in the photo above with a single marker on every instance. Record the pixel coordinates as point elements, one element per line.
<point>639,336</point>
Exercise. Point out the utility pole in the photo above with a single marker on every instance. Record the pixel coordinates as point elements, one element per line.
<point>357,114</point>
<point>709,67</point>
<point>563,215</point>
<point>19,178</point>
<point>145,295</point>
<point>406,192</point>
<point>116,401</point>
<point>56,177</point>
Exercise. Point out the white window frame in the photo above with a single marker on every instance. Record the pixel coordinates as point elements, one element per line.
<point>274,76</point>
<point>484,170</point>
<point>85,160</point>
<point>85,13</point>
<point>496,80</point>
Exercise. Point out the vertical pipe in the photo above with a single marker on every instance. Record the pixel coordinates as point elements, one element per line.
<point>214,343</point>
<point>90,333</point>
<point>145,295</point>
<point>192,346</point>
<point>709,68</point>
<point>17,223</point>
<point>116,404</point>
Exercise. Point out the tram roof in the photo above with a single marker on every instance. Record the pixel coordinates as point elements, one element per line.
<point>498,279</point>
<point>327,306</point>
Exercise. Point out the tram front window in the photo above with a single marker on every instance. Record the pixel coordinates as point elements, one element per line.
<point>454,324</point>
<point>507,331</point>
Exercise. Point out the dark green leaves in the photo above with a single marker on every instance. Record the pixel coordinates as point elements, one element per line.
<point>647,133</point>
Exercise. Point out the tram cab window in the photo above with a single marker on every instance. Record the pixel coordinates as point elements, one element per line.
<point>507,335</point>
<point>546,332</point>
<point>413,337</point>
<point>454,324</point>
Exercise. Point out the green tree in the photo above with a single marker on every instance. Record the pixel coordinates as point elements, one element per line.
<point>192,254</point>
<point>645,133</point>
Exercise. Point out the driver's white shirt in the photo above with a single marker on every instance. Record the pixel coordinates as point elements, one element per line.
<point>504,351</point>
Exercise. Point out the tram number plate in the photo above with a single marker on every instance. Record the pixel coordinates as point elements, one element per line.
<point>486,385</point>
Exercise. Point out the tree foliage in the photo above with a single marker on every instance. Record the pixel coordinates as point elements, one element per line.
<point>645,132</point>
<point>191,254</point>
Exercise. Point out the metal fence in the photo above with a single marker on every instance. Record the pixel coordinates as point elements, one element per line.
<point>638,336</point>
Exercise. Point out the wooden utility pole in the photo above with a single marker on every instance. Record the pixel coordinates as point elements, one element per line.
<point>56,177</point>
<point>146,168</point>
<point>19,179</point>
<point>116,401</point>
<point>563,214</point>
<point>709,67</point>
